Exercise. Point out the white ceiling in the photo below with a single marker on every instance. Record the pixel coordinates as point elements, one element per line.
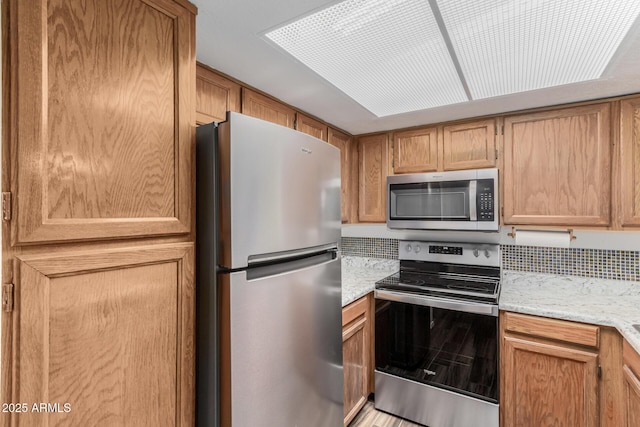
<point>230,39</point>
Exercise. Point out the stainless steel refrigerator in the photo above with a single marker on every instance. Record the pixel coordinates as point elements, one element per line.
<point>269,337</point>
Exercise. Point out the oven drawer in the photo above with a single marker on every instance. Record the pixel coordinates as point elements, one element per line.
<point>553,329</point>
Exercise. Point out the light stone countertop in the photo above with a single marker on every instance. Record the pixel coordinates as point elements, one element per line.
<point>597,301</point>
<point>360,274</point>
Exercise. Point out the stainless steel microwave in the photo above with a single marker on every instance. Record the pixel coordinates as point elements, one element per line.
<point>456,200</point>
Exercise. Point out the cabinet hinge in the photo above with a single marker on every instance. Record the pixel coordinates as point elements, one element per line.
<point>599,371</point>
<point>7,297</point>
<point>497,154</point>
<point>502,211</point>
<point>6,206</point>
<point>502,130</point>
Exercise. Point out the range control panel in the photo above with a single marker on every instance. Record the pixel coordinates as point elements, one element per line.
<point>447,250</point>
<point>487,254</point>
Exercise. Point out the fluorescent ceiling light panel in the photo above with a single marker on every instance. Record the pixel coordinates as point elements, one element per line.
<point>513,46</point>
<point>388,55</point>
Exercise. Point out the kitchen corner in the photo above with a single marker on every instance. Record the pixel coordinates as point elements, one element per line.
<point>360,274</point>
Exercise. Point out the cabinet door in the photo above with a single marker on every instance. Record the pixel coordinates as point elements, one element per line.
<point>311,126</point>
<point>631,396</point>
<point>415,150</point>
<point>355,356</point>
<point>373,158</point>
<point>630,162</point>
<point>548,384</point>
<point>110,333</point>
<point>470,145</point>
<point>102,107</point>
<point>262,107</point>
<point>215,95</point>
<point>557,167</point>
<point>343,143</point>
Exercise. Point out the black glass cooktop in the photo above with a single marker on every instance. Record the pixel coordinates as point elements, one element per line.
<point>445,280</point>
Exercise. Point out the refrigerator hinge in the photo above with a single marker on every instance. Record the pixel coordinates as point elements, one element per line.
<point>6,206</point>
<point>7,297</point>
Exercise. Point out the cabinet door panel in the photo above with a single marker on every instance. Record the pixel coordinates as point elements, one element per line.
<point>343,143</point>
<point>103,136</point>
<point>262,107</point>
<point>557,167</point>
<point>631,398</point>
<point>630,162</point>
<point>547,384</point>
<point>356,343</point>
<point>415,150</point>
<point>373,160</point>
<point>470,145</point>
<point>215,95</point>
<point>311,126</point>
<point>109,332</point>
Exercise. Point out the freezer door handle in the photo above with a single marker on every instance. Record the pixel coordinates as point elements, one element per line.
<point>284,255</point>
<point>260,272</point>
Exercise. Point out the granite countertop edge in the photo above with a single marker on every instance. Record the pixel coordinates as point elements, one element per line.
<point>360,274</point>
<point>603,302</point>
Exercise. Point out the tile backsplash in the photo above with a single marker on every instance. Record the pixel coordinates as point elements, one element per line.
<point>370,247</point>
<point>596,263</point>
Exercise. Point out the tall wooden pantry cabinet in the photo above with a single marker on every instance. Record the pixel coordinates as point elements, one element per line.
<point>98,211</point>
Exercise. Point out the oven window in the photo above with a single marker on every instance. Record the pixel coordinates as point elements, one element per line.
<point>448,349</point>
<point>431,201</point>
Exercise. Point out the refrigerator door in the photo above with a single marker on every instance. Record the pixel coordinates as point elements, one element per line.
<point>281,341</point>
<point>280,190</point>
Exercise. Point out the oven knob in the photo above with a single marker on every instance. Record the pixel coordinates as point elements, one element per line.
<point>487,253</point>
<point>476,253</point>
<point>408,248</point>
<point>418,248</point>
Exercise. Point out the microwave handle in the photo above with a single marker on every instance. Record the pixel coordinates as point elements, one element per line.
<point>473,200</point>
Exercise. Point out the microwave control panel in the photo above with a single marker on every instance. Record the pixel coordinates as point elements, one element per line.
<point>485,200</point>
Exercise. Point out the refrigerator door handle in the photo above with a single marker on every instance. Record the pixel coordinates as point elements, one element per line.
<point>263,271</point>
<point>284,255</point>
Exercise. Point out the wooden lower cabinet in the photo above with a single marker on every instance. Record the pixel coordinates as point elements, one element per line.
<point>357,340</point>
<point>108,332</point>
<point>549,376</point>
<point>631,396</point>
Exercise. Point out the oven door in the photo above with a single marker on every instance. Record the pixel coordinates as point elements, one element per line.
<point>448,344</point>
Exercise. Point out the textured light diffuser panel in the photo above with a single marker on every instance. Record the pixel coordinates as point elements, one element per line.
<point>388,55</point>
<point>514,46</point>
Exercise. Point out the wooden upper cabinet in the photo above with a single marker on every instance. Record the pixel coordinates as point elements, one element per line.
<point>470,145</point>
<point>373,159</point>
<point>265,108</point>
<point>557,167</point>
<point>110,332</point>
<point>343,143</point>
<point>215,95</point>
<point>415,150</point>
<point>630,162</point>
<point>311,126</point>
<point>102,111</point>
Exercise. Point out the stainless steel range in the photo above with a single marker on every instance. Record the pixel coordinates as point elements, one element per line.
<point>436,335</point>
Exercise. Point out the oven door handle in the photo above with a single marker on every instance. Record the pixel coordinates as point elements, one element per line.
<point>449,304</point>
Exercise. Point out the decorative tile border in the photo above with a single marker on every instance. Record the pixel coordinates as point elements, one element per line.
<point>596,263</point>
<point>370,247</point>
